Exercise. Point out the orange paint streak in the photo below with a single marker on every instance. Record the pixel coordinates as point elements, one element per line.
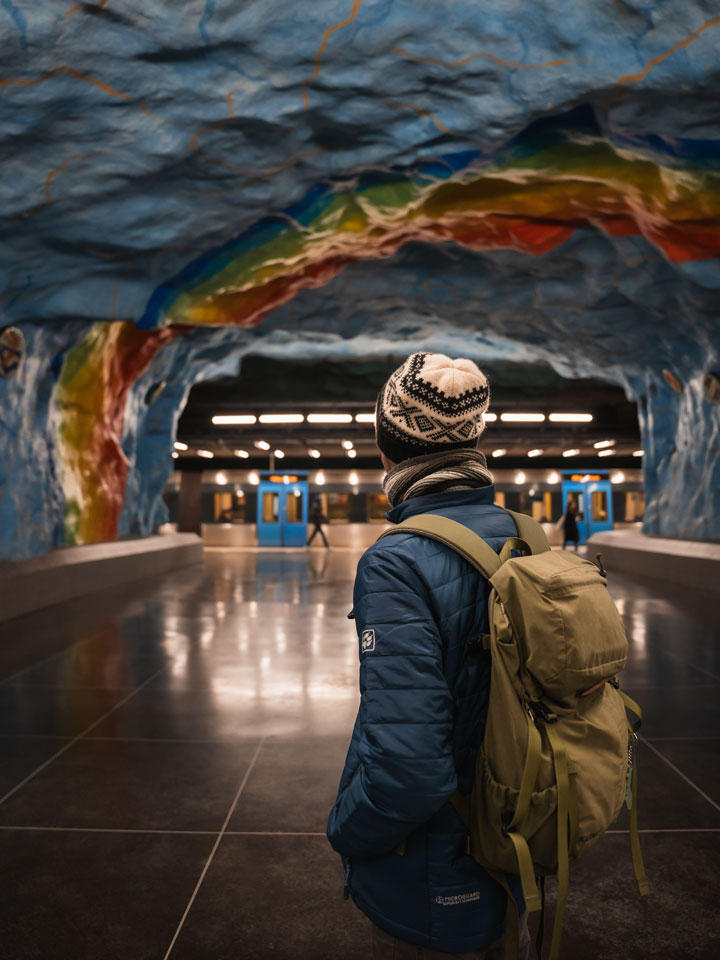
<point>431,116</point>
<point>78,8</point>
<point>109,256</point>
<point>473,56</point>
<point>323,46</point>
<point>634,77</point>
<point>231,108</point>
<point>106,88</point>
<point>59,169</point>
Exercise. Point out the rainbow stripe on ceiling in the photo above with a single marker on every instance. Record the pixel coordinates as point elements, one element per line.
<point>531,201</point>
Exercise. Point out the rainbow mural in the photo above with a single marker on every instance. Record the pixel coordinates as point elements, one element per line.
<point>532,200</point>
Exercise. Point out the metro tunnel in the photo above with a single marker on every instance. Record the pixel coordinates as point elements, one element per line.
<point>226,227</point>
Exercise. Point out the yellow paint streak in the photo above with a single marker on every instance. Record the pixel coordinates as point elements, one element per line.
<point>85,78</point>
<point>323,46</point>
<point>59,169</point>
<point>634,77</point>
<point>474,56</point>
<point>231,108</point>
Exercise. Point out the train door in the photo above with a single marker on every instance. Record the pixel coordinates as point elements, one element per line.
<point>600,512</point>
<point>282,513</point>
<point>575,492</point>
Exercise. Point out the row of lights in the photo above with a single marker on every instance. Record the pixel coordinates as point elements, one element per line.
<point>574,452</point>
<point>353,479</point>
<point>247,419</point>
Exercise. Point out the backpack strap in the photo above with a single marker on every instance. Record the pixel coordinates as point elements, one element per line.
<point>455,535</point>
<point>531,532</point>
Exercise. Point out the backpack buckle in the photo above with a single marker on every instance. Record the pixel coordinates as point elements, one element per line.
<point>539,708</point>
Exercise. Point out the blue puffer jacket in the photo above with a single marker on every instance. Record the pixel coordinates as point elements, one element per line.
<point>418,730</point>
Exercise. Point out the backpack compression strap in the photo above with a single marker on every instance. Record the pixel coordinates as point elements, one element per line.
<point>454,535</point>
<point>530,531</point>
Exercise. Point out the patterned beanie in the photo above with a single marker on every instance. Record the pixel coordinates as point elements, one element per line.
<point>429,405</point>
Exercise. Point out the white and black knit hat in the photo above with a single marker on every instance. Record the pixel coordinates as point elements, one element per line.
<point>431,404</point>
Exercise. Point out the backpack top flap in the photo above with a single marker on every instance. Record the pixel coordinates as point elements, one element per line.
<point>568,629</point>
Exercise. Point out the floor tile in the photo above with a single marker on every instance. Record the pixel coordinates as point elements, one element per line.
<point>162,786</point>
<point>676,711</point>
<point>292,786</point>
<point>72,896</point>
<point>91,669</point>
<point>698,759</point>
<point>48,712</point>
<point>606,919</point>
<point>18,758</point>
<point>278,897</point>
<point>230,715</point>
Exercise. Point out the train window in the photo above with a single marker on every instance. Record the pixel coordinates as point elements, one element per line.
<point>229,507</point>
<point>634,505</point>
<point>295,506</point>
<point>377,507</point>
<point>599,506</point>
<point>338,507</point>
<point>270,509</point>
<point>576,497</point>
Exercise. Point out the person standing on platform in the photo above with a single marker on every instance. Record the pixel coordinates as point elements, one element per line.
<point>569,525</point>
<point>419,608</point>
<point>317,517</point>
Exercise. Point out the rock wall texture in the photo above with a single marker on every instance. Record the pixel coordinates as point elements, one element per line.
<point>183,183</point>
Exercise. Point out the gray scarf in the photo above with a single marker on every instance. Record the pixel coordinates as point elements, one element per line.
<point>449,470</point>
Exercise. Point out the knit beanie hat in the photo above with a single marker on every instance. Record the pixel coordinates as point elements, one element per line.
<point>431,404</point>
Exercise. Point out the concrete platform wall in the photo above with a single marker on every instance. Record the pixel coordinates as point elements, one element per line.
<point>683,562</point>
<point>77,571</point>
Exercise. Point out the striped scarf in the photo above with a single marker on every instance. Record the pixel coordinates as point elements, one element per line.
<point>449,470</point>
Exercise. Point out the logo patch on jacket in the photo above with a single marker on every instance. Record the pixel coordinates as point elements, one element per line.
<point>368,641</point>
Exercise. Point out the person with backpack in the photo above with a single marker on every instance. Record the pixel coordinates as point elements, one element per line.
<point>419,609</point>
<point>457,794</point>
<point>317,518</point>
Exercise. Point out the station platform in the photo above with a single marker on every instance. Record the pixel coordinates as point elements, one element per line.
<point>170,749</point>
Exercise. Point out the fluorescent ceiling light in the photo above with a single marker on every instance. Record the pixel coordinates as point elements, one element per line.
<point>314,454</point>
<point>254,479</point>
<point>221,478</point>
<point>606,453</point>
<point>279,454</point>
<point>241,453</point>
<point>352,454</point>
<point>180,446</point>
<point>601,444</point>
<point>617,477</point>
<point>570,453</point>
<point>208,454</point>
<point>223,420</point>
<point>522,417</point>
<point>570,417</point>
<point>553,478</point>
<point>535,453</point>
<point>262,444</point>
<point>320,478</point>
<point>281,418</point>
<point>489,417</point>
<point>348,444</point>
<point>498,453</point>
<point>364,418</point>
<point>520,477</point>
<point>329,418</point>
<point>175,454</point>
<point>638,453</point>
<point>286,479</point>
<point>353,479</point>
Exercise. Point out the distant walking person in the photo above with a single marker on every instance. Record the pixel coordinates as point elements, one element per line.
<point>317,517</point>
<point>570,527</point>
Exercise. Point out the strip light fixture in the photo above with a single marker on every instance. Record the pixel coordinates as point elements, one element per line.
<point>601,444</point>
<point>329,418</point>
<point>180,446</point>
<point>352,454</point>
<point>280,454</point>
<point>262,444</point>
<point>606,453</point>
<point>498,453</point>
<point>243,454</point>
<point>489,417</point>
<point>570,417</point>
<point>175,454</point>
<point>570,453</point>
<point>207,454</point>
<point>315,454</point>
<point>222,420</point>
<point>522,417</point>
<point>638,453</point>
<point>347,444</point>
<point>535,453</point>
<point>281,418</point>
<point>364,418</point>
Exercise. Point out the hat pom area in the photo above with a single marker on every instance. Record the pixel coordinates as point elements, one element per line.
<point>431,403</point>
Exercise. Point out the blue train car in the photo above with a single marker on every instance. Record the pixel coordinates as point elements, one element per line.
<point>282,509</point>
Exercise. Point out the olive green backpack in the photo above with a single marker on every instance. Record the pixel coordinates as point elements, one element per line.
<point>557,760</point>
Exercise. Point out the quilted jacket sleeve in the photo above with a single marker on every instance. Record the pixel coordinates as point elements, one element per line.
<point>400,766</point>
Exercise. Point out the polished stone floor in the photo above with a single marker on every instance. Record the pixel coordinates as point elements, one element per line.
<point>169,753</point>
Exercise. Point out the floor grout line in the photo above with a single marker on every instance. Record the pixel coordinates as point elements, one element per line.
<point>681,774</point>
<point>79,736</point>
<point>214,849</point>
<point>673,830</point>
